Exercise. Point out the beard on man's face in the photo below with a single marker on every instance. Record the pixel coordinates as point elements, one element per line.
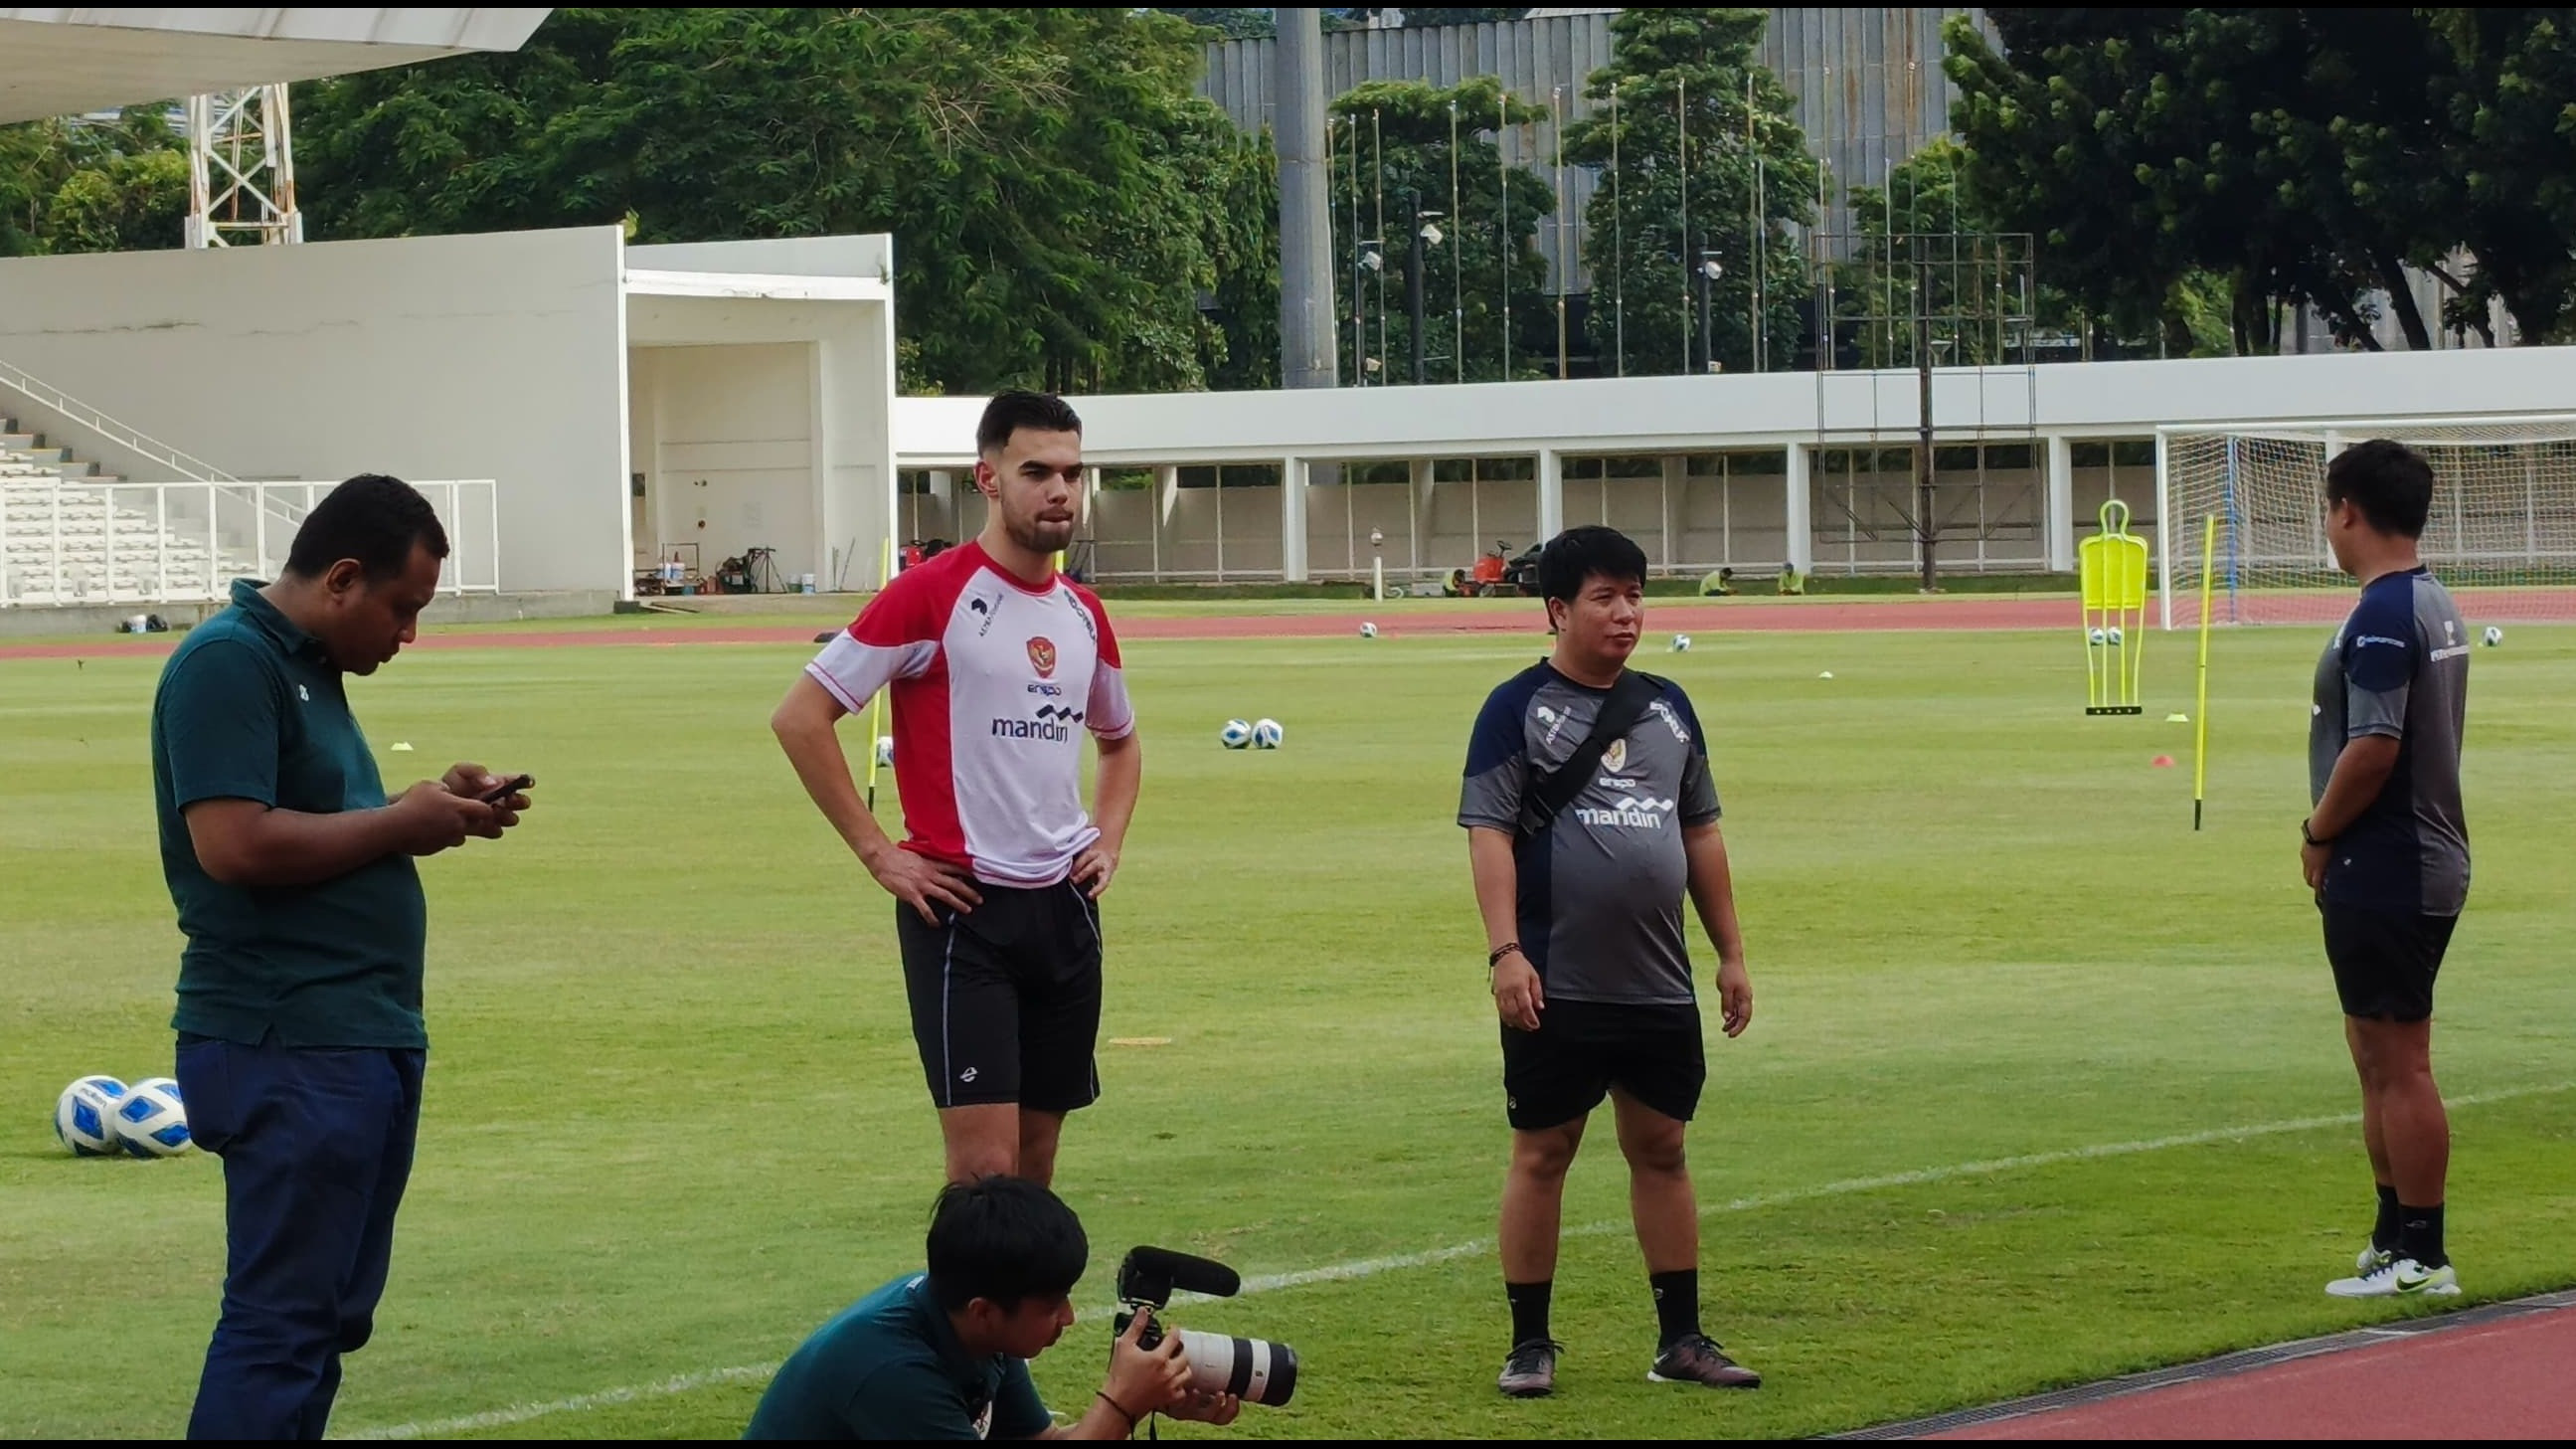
<point>1041,534</point>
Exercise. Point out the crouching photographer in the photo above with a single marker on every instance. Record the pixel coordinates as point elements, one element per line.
<point>944,1354</point>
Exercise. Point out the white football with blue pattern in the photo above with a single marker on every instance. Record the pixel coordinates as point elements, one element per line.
<point>85,1116</point>
<point>152,1121</point>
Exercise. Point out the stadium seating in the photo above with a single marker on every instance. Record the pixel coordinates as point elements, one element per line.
<point>111,549</point>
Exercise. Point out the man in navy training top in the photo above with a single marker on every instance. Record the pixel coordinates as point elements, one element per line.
<point>944,1354</point>
<point>1591,974</point>
<point>2385,849</point>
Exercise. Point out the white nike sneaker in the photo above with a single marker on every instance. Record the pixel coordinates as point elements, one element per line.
<point>2399,1278</point>
<point>2372,1259</point>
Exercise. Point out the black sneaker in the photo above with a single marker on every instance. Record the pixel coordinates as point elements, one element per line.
<point>1699,1359</point>
<point>1530,1372</point>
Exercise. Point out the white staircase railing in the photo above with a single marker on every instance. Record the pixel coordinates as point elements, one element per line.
<point>132,439</point>
<point>79,541</point>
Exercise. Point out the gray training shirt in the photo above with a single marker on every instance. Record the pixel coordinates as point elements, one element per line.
<point>1601,890</point>
<point>2399,667</point>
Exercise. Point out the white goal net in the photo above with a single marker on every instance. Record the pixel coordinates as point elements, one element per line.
<point>2502,533</point>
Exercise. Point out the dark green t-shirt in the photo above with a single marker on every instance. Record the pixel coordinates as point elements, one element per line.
<point>251,709</point>
<point>890,1367</point>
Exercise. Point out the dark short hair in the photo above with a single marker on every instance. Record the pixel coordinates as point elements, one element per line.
<point>1009,412</point>
<point>1003,1239</point>
<point>371,518</point>
<point>2388,481</point>
<point>1580,553</point>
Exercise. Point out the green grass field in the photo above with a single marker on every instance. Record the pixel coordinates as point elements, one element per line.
<point>2042,1087</point>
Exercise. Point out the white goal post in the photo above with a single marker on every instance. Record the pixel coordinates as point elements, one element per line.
<point>2502,533</point>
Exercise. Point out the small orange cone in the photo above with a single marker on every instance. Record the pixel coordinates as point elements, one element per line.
<point>2162,762</point>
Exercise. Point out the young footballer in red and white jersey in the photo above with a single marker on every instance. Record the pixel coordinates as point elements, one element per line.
<point>998,667</point>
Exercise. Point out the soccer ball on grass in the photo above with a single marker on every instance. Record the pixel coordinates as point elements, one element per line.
<point>1236,734</point>
<point>85,1116</point>
<point>151,1121</point>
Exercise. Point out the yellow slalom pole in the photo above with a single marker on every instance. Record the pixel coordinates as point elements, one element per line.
<point>2200,711</point>
<point>876,707</point>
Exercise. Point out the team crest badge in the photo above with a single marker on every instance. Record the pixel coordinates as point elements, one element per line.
<point>1615,758</point>
<point>1042,656</point>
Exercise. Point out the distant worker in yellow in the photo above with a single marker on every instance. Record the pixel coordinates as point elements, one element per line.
<point>1718,585</point>
<point>1791,581</point>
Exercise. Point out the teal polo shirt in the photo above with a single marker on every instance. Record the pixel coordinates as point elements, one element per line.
<point>250,708</point>
<point>890,1367</point>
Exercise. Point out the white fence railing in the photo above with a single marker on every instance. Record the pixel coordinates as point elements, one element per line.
<point>76,541</point>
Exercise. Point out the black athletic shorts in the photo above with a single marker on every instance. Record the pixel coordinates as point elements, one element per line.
<point>1006,997</point>
<point>2385,961</point>
<point>1584,1048</point>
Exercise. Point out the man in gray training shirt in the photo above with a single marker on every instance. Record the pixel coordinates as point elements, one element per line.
<point>1583,917</point>
<point>2385,849</point>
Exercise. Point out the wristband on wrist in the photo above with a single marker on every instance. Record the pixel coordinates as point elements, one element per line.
<point>1495,957</point>
<point>1103,1396</point>
<point>2309,836</point>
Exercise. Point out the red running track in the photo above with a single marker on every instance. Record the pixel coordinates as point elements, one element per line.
<point>2513,1378</point>
<point>1961,613</point>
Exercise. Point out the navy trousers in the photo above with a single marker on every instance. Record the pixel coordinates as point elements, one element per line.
<point>317,1145</point>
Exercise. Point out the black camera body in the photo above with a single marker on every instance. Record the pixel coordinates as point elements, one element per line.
<point>1254,1370</point>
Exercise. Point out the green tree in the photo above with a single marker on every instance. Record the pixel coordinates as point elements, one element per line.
<point>129,203</point>
<point>78,185</point>
<point>1228,22</point>
<point>1919,251</point>
<point>1048,175</point>
<point>1391,145</point>
<point>1696,116</point>
<point>2295,152</point>
<point>2505,101</point>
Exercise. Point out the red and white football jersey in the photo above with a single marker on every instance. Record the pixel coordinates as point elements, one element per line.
<point>994,683</point>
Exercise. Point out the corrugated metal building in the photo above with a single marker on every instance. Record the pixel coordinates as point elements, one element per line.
<point>1868,83</point>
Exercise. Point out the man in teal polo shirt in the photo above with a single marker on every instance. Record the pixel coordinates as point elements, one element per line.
<point>944,1354</point>
<point>300,1037</point>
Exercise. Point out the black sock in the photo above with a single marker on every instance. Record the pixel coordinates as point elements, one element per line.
<point>2419,1235</point>
<point>1676,1304</point>
<point>2384,1235</point>
<point>1529,1310</point>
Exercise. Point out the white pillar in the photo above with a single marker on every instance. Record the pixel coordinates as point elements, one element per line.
<point>1802,529</point>
<point>1167,496</point>
<point>2060,508</point>
<point>943,486</point>
<point>1675,483</point>
<point>1417,508</point>
<point>1551,493</point>
<point>1292,520</point>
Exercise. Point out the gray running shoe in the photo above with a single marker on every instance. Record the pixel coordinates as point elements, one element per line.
<point>1530,1372</point>
<point>1699,1359</point>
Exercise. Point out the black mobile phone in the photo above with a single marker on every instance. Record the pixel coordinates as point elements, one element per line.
<point>508,788</point>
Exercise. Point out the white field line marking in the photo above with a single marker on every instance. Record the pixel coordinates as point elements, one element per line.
<point>1399,1262</point>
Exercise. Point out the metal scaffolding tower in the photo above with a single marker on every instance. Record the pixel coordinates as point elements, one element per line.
<point>241,170</point>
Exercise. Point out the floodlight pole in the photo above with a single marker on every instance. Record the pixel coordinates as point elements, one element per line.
<point>1413,286</point>
<point>1924,522</point>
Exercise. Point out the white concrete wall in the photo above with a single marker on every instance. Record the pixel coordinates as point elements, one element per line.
<point>728,451</point>
<point>495,356</point>
<point>867,255</point>
<point>1682,414</point>
<point>841,397</point>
